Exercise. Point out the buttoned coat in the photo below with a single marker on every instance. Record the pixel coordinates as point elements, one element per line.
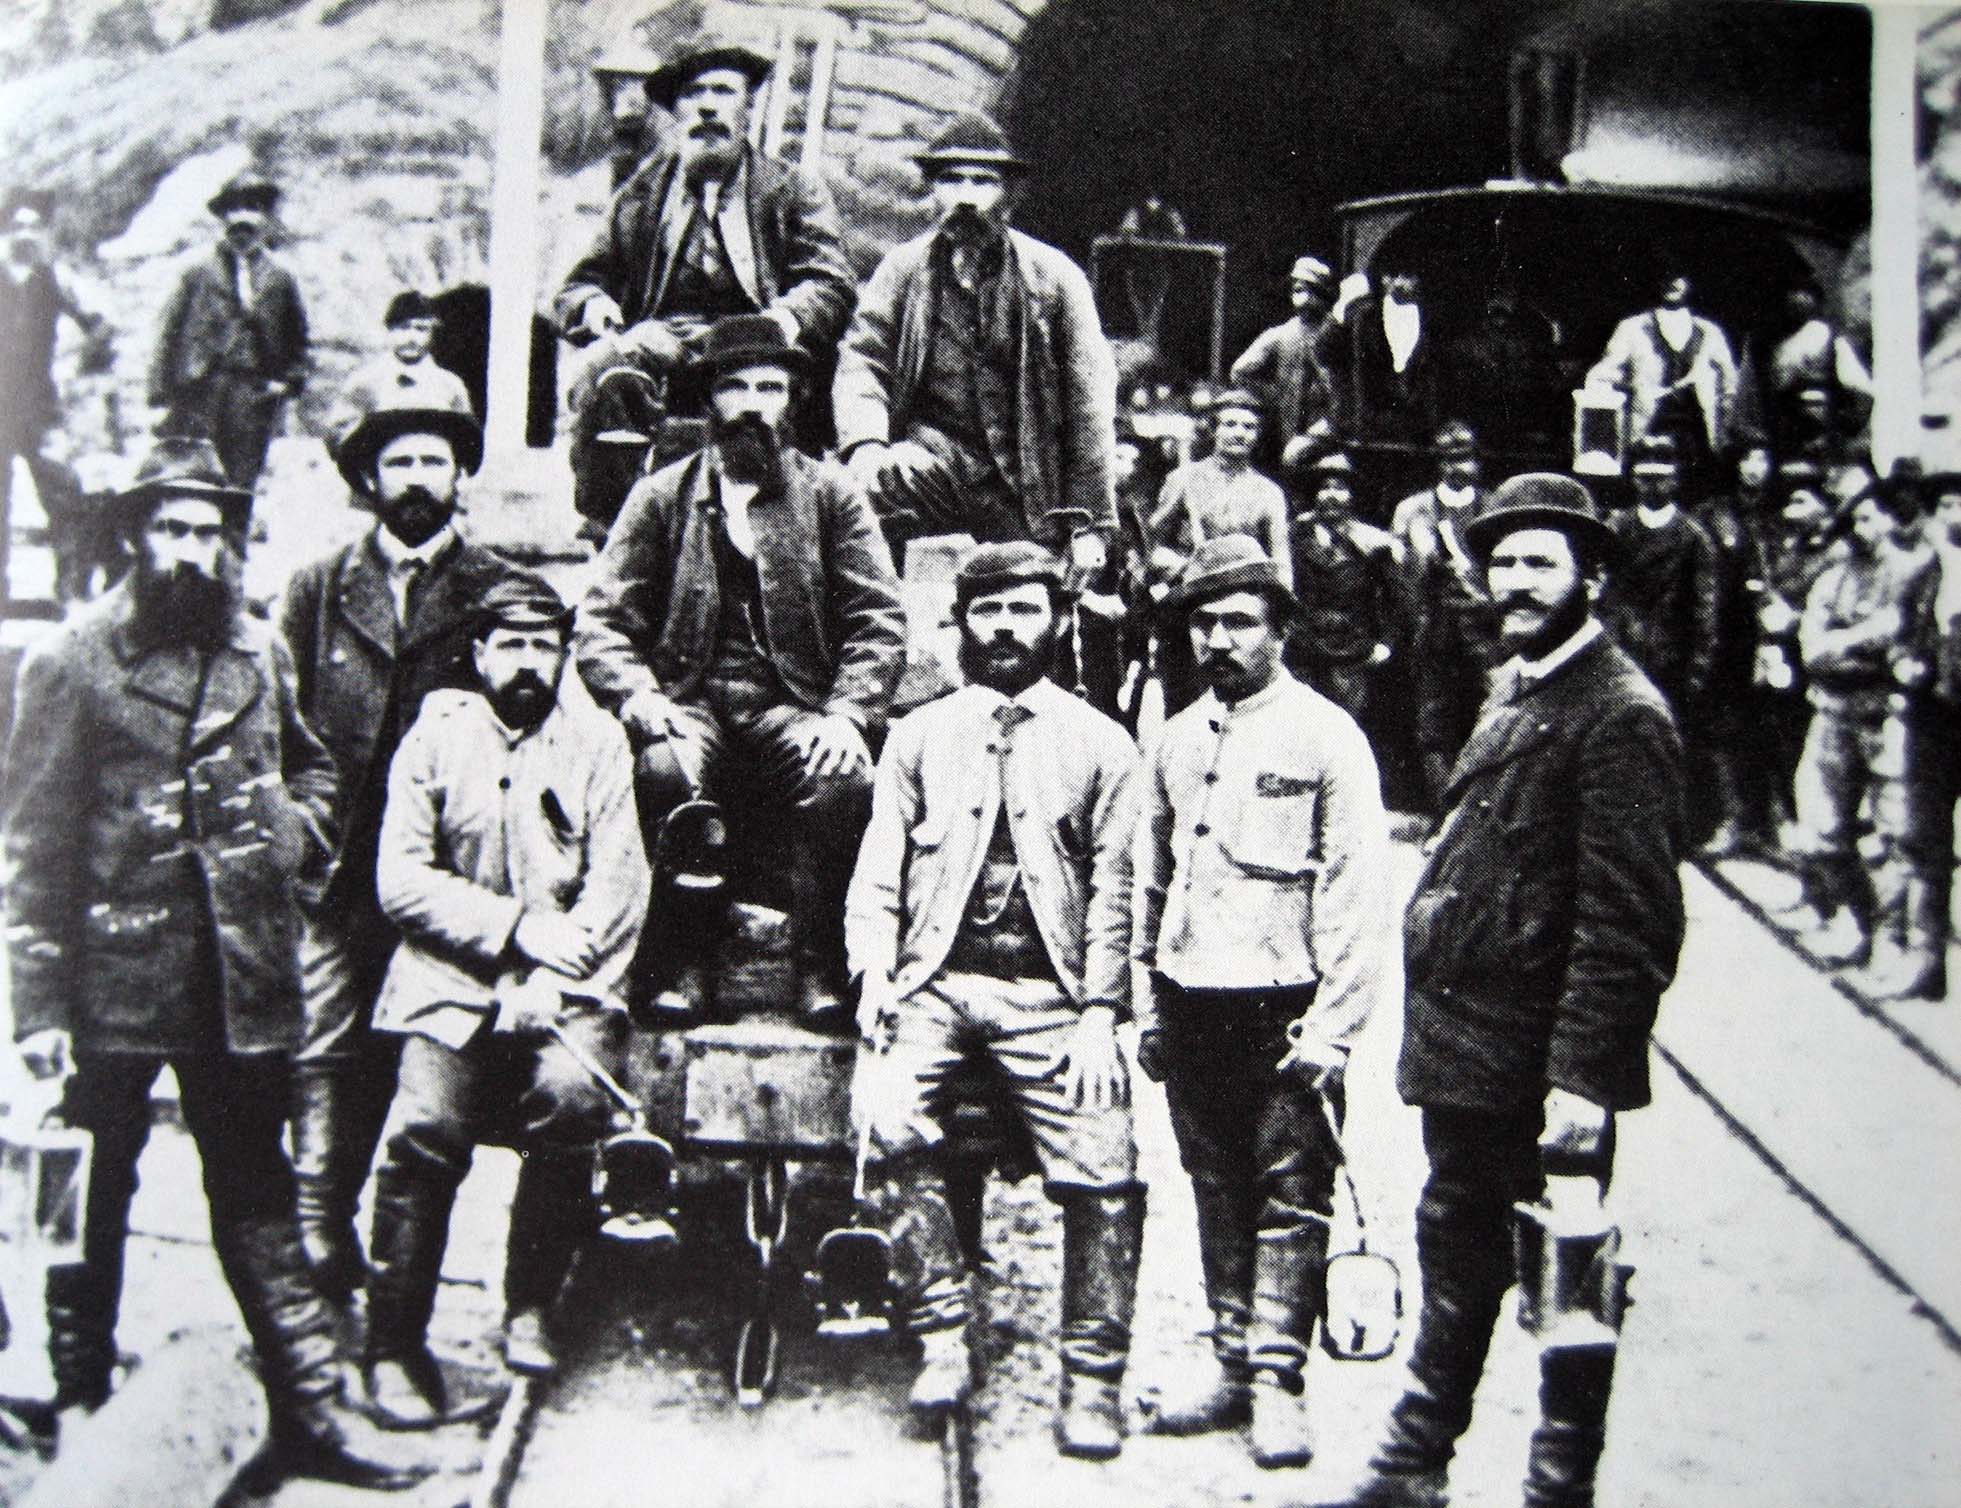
<point>935,802</point>
<point>1663,601</point>
<point>1548,917</point>
<point>1377,402</point>
<point>784,240</point>
<point>207,331</point>
<point>1060,458</point>
<point>362,678</point>
<point>165,813</point>
<point>830,600</point>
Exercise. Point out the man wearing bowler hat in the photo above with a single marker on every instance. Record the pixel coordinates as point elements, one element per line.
<point>1544,928</point>
<point>975,391</point>
<point>706,228</point>
<point>1264,941</point>
<point>167,812</point>
<point>374,627</point>
<point>232,348</point>
<point>745,618</point>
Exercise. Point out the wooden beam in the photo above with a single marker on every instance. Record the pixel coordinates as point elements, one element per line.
<point>517,177</point>
<point>1895,235</point>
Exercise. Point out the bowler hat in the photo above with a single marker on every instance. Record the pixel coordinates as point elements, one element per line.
<point>747,340</point>
<point>519,599</point>
<point>665,83</point>
<point>970,139</point>
<point>363,441</point>
<point>1540,500</point>
<point>250,189</point>
<point>182,466</point>
<point>1656,450</point>
<point>996,567</point>
<point>1227,563</point>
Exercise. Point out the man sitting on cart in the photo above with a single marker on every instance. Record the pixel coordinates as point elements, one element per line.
<point>511,862</point>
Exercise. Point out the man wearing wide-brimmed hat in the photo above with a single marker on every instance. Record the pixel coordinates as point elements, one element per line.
<point>706,228</point>
<point>1265,941</point>
<point>1282,362</point>
<point>373,626</point>
<point>745,618</point>
<point>166,813</point>
<point>975,391</point>
<point>1544,928</point>
<point>232,347</point>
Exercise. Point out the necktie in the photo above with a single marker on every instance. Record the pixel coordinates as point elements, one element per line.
<point>415,576</point>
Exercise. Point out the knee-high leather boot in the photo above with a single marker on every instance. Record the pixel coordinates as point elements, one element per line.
<point>1102,1235</point>
<point>1217,1396</point>
<point>1289,1293</point>
<point>335,1128</point>
<point>552,1216</point>
<point>411,1228</point>
<point>1574,1384</point>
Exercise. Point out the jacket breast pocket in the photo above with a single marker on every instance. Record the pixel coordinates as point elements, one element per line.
<point>1277,833</point>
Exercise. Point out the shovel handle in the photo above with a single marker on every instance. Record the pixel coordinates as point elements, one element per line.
<point>596,1069</point>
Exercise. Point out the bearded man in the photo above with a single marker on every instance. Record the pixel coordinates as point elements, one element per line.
<point>745,616</point>
<point>166,813</point>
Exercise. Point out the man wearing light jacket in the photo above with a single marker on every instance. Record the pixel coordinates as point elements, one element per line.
<point>1261,926</point>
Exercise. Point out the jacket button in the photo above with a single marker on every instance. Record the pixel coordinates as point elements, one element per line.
<point>504,783</point>
<point>1211,777</point>
<point>976,811</point>
<point>1201,830</point>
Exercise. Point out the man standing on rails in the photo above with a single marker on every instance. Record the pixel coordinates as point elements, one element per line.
<point>1544,928</point>
<point>1261,928</point>
<point>373,628</point>
<point>511,861</point>
<point>989,914</point>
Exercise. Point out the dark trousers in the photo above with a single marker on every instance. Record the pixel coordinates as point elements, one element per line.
<point>234,411</point>
<point>1261,1159</point>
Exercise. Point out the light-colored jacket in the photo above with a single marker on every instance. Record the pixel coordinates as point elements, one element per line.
<point>1636,362</point>
<point>935,801</point>
<point>1261,852</point>
<point>484,824</point>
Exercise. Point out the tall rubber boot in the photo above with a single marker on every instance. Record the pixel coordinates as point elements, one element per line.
<point>1102,1236</point>
<point>552,1217</point>
<point>1574,1385</point>
<point>292,1331</point>
<point>1289,1294</point>
<point>411,1229</point>
<point>816,930</point>
<point>906,1198</point>
<point>1219,1395</point>
<point>330,1163</point>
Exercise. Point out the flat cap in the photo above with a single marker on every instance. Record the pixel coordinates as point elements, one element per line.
<point>971,139</point>
<point>995,568</point>
<point>519,599</point>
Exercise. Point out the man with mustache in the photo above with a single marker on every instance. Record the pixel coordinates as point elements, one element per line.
<point>1262,934</point>
<point>744,618</point>
<point>989,915</point>
<point>512,864</point>
<point>975,391</point>
<point>373,628</point>
<point>232,348</point>
<point>166,814</point>
<point>1544,928</point>
<point>706,228</point>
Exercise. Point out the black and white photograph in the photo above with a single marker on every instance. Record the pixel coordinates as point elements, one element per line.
<point>980,753</point>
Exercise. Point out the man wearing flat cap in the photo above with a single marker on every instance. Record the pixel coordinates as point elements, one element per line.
<point>1283,363</point>
<point>167,812</point>
<point>745,619</point>
<point>975,391</point>
<point>1346,572</point>
<point>1263,939</point>
<point>1544,928</point>
<point>373,627</point>
<point>405,375</point>
<point>706,228</point>
<point>511,863</point>
<point>232,348</point>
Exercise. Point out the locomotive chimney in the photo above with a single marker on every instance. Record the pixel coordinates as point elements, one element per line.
<point>1546,108</point>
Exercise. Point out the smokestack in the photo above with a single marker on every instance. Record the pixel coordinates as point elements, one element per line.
<point>1546,111</point>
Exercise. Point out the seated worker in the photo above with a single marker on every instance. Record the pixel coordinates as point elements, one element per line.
<point>989,917</point>
<point>511,863</point>
<point>745,615</point>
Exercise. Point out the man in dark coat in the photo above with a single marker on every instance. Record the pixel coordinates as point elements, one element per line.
<point>1282,364</point>
<point>1734,717</point>
<point>232,348</point>
<point>166,810</point>
<point>1344,571</point>
<point>704,229</point>
<point>1544,928</point>
<point>373,628</point>
<point>1390,370</point>
<point>745,618</point>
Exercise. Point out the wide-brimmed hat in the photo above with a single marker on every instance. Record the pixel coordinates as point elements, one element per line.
<point>519,599</point>
<point>1540,500</point>
<point>996,567</point>
<point>364,438</point>
<point>970,139</point>
<point>747,340</point>
<point>1223,564</point>
<point>182,466</point>
<point>665,83</point>
<point>250,189</point>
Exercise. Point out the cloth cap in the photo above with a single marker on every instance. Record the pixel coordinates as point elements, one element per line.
<point>1656,450</point>
<point>250,189</point>
<point>408,305</point>
<point>665,83</point>
<point>1237,397</point>
<point>182,466</point>
<point>995,568</point>
<point>970,139</point>
<point>1540,500</point>
<point>1224,564</point>
<point>519,599</point>
<point>1312,270</point>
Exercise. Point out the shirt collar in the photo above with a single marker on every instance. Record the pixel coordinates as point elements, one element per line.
<point>1251,703</point>
<point>1029,697</point>
<point>1532,671</point>
<point>398,557</point>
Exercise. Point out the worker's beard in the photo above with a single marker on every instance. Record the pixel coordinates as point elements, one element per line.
<point>970,230</point>
<point>1003,663</point>
<point>180,607</point>
<point>709,154</point>
<point>749,450</point>
<point>524,701</point>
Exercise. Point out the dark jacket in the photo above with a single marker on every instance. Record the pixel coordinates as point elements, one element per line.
<point>830,600</point>
<point>1377,401</point>
<point>1548,918</point>
<point>206,330</point>
<point>361,679</point>
<point>30,312</point>
<point>162,822</point>
<point>1060,464</point>
<point>1663,604</point>
<point>795,259</point>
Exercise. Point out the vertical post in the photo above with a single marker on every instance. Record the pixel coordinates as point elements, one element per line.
<point>1895,235</point>
<point>516,177</point>
<point>817,105</point>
